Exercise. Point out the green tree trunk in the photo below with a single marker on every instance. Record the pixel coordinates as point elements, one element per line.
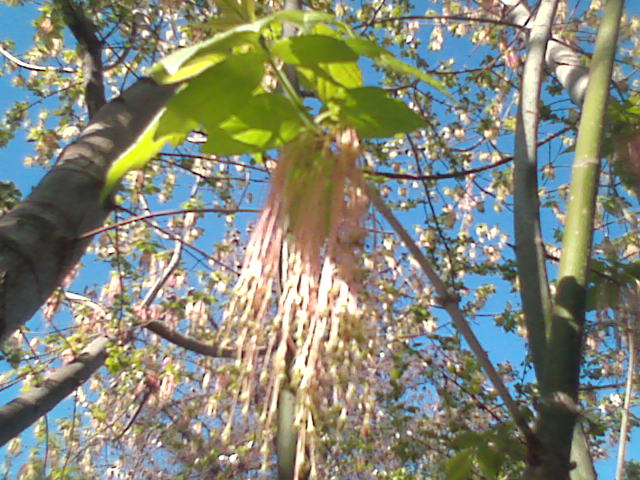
<point>559,386</point>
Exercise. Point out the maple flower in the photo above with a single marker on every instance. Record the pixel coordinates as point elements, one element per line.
<point>307,246</point>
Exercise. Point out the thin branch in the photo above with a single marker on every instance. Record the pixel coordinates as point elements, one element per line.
<point>288,442</point>
<point>560,58</point>
<point>213,159</point>
<point>84,32</point>
<point>449,301</point>
<point>20,413</point>
<point>188,343</point>
<point>171,236</point>
<point>162,330</point>
<point>31,66</point>
<point>450,18</point>
<point>439,176</point>
<point>462,173</point>
<point>626,408</point>
<point>176,256</point>
<point>146,216</point>
<point>530,254</point>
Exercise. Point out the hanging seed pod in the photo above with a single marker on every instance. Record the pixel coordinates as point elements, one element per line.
<point>308,241</point>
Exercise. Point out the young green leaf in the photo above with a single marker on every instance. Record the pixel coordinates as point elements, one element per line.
<point>330,80</point>
<point>191,61</point>
<point>374,114</point>
<point>138,154</point>
<point>386,59</point>
<point>490,459</point>
<point>232,12</point>
<point>460,466</point>
<point>309,19</point>
<point>311,50</point>
<point>265,121</point>
<point>215,94</point>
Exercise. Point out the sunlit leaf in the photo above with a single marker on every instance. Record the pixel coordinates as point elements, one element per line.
<point>308,19</point>
<point>189,62</point>
<point>215,94</point>
<point>265,121</point>
<point>139,154</point>
<point>374,114</point>
<point>489,459</point>
<point>469,439</point>
<point>330,80</point>
<point>233,12</point>
<point>311,50</point>
<point>386,59</point>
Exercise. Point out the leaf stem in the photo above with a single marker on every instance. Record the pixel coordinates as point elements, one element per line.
<point>291,93</point>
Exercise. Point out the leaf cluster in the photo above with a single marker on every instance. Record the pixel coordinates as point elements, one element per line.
<point>234,87</point>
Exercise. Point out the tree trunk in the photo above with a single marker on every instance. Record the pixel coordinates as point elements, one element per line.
<point>39,238</point>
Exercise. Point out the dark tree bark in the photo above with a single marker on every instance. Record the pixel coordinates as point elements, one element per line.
<point>40,238</point>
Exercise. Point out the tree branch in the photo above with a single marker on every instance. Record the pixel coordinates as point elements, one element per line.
<point>439,176</point>
<point>530,254</point>
<point>628,394</point>
<point>558,406</point>
<point>84,32</point>
<point>187,343</point>
<point>561,59</point>
<point>30,66</point>
<point>39,238</point>
<point>449,302</point>
<point>23,411</point>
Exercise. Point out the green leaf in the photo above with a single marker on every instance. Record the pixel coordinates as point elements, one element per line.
<point>326,30</point>
<point>265,121</point>
<point>460,466</point>
<point>348,75</point>
<point>489,459</point>
<point>325,73</point>
<point>215,94</point>
<point>189,62</point>
<point>330,80</point>
<point>308,19</point>
<point>311,50</point>
<point>232,12</point>
<point>632,269</point>
<point>176,121</point>
<point>374,114</point>
<point>467,440</point>
<point>138,154</point>
<point>386,59</point>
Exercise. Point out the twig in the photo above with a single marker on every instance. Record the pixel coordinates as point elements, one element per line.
<point>439,176</point>
<point>188,343</point>
<point>146,216</point>
<point>31,66</point>
<point>449,301</point>
<point>84,32</point>
<point>626,408</point>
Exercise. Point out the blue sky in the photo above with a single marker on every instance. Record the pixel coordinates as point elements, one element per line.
<point>15,23</point>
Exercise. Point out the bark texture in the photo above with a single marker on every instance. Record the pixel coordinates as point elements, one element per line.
<point>20,413</point>
<point>39,238</point>
<point>561,59</point>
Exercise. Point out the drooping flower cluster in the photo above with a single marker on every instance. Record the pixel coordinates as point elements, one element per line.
<point>296,316</point>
